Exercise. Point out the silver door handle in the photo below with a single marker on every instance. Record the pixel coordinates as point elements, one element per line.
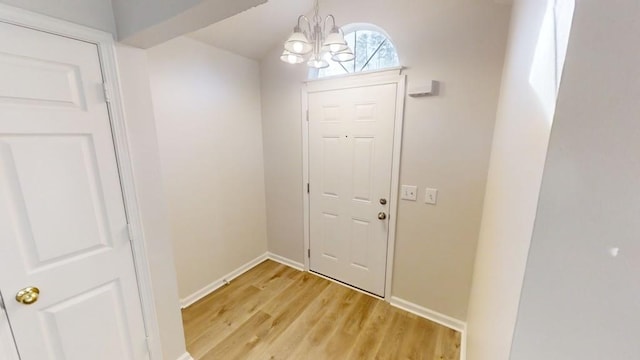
<point>382,216</point>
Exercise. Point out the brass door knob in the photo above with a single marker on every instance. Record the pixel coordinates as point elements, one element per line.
<point>28,295</point>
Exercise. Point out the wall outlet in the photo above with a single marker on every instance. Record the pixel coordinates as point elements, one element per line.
<point>430,196</point>
<point>409,192</point>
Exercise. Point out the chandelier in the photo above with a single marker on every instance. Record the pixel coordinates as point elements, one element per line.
<point>313,44</point>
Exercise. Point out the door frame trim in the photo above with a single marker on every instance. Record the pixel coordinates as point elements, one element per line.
<point>393,76</point>
<point>106,52</point>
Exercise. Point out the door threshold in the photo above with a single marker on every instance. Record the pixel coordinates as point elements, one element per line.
<point>347,285</point>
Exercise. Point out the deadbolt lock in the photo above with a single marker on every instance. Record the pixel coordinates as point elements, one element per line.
<point>383,201</point>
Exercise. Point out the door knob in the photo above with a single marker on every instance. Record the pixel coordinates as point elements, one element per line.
<point>28,295</point>
<point>382,216</point>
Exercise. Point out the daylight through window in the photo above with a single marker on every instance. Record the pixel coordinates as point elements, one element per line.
<point>372,49</point>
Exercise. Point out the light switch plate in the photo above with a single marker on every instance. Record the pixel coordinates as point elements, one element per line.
<point>431,196</point>
<point>409,192</point>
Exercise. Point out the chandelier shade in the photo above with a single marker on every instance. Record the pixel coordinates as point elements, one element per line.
<point>311,42</point>
<point>318,63</point>
<point>335,41</point>
<point>343,56</point>
<point>291,58</point>
<point>298,43</point>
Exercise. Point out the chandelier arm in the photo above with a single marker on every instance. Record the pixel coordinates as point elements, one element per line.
<point>307,21</point>
<point>333,20</point>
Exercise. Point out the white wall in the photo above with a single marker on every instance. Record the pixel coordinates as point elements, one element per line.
<point>579,302</point>
<point>207,107</point>
<point>134,76</point>
<point>96,14</point>
<point>281,129</point>
<point>521,135</point>
<point>447,140</point>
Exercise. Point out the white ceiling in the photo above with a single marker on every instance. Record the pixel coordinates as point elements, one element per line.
<point>254,32</point>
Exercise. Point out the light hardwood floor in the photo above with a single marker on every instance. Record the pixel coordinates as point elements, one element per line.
<point>276,312</point>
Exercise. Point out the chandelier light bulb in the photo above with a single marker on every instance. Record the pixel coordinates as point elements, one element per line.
<point>317,63</point>
<point>297,47</point>
<point>292,59</point>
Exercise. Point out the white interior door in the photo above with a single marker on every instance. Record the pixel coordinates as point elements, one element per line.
<point>350,162</point>
<point>7,346</point>
<point>63,227</point>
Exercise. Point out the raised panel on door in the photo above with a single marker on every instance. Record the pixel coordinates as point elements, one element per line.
<point>363,150</point>
<point>62,217</point>
<point>330,237</point>
<point>331,151</point>
<point>19,72</point>
<point>359,239</point>
<point>350,161</point>
<point>44,172</point>
<point>109,325</point>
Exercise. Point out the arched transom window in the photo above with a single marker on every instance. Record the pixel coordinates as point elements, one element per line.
<point>372,48</point>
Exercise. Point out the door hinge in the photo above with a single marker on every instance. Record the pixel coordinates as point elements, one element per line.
<point>130,231</point>
<point>307,115</point>
<point>308,188</point>
<point>309,253</point>
<point>107,92</point>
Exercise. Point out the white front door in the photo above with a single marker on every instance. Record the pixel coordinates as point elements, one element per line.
<point>63,227</point>
<point>351,134</point>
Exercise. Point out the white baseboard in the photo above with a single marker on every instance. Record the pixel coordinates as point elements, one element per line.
<point>421,311</point>
<point>429,314</point>
<point>191,299</point>
<point>185,356</point>
<point>283,260</point>
<point>442,319</point>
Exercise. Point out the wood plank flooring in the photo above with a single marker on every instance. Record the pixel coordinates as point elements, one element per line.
<point>276,312</point>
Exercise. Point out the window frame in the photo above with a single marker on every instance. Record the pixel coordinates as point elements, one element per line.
<point>314,74</point>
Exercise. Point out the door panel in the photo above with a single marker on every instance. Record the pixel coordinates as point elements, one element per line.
<point>18,72</point>
<point>62,220</point>
<point>26,161</point>
<point>331,152</point>
<point>63,328</point>
<point>360,238</point>
<point>362,163</point>
<point>350,161</point>
<point>330,239</point>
